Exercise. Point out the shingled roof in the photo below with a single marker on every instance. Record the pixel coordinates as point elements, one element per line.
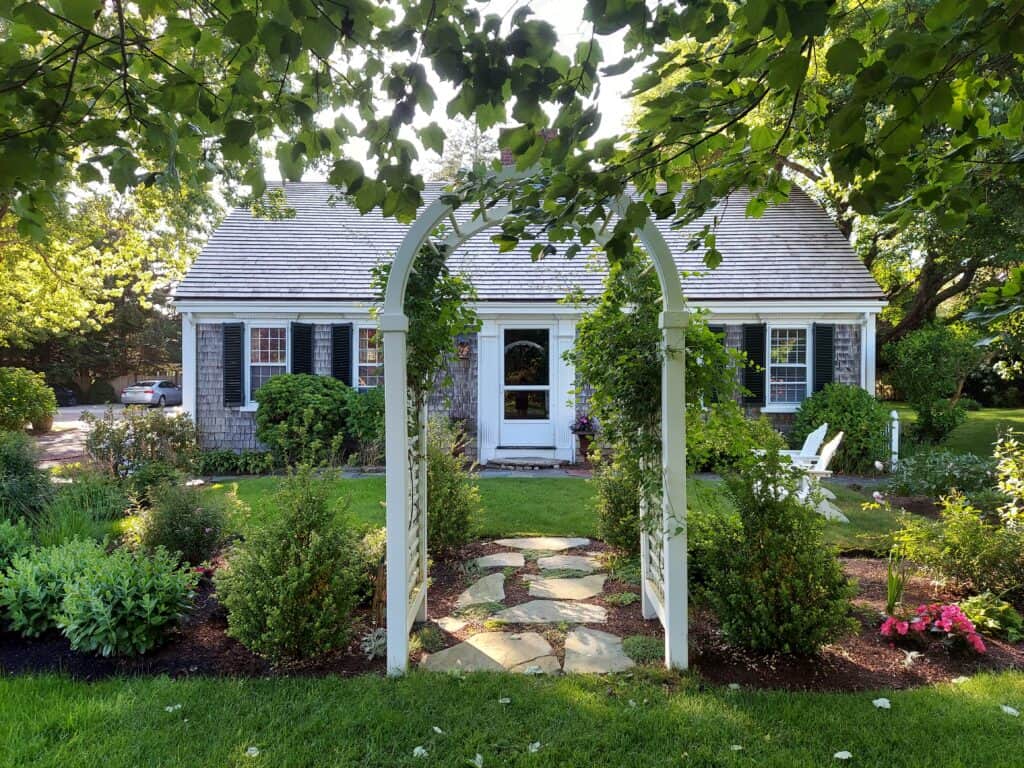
<point>326,252</point>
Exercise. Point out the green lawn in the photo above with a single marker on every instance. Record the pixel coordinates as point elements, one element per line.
<point>554,506</point>
<point>980,430</point>
<point>648,719</point>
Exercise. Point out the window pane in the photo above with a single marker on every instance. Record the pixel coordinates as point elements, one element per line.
<point>789,346</point>
<point>526,404</point>
<point>258,375</point>
<point>788,384</point>
<point>371,376</point>
<point>526,357</point>
<point>371,359</point>
<point>268,345</point>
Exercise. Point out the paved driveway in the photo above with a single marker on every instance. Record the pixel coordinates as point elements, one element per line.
<point>65,443</point>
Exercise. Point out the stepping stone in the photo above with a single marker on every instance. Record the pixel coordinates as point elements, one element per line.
<point>552,612</point>
<point>450,624</point>
<point>496,651</point>
<point>594,651</point>
<point>584,563</point>
<point>543,543</point>
<point>501,560</point>
<point>489,589</point>
<point>568,589</point>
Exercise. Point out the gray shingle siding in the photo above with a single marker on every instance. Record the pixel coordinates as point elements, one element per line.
<point>327,251</point>
<point>454,395</point>
<point>219,427</point>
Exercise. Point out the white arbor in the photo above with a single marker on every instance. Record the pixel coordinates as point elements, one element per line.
<point>663,534</point>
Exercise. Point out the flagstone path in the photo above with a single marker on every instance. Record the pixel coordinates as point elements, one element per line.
<point>560,602</point>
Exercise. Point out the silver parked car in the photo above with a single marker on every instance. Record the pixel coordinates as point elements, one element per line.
<point>157,392</point>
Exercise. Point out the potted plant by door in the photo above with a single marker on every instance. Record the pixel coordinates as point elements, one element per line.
<point>585,427</point>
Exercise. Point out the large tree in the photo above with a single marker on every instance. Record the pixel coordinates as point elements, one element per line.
<point>156,91</point>
<point>101,253</point>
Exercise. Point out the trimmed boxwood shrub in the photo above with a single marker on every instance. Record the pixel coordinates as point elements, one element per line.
<point>853,411</point>
<point>617,484</point>
<point>773,583</point>
<point>302,417</point>
<point>24,488</point>
<point>454,497</point>
<point>122,604</point>
<point>25,399</point>
<point>227,462</point>
<point>291,587</point>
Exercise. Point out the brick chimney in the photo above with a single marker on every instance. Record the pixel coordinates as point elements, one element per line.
<point>508,159</point>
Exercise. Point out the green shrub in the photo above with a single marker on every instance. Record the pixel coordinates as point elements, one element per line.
<point>24,399</point>
<point>33,588</point>
<point>617,484</point>
<point>644,649</point>
<point>121,445</point>
<point>15,539</point>
<point>100,393</point>
<point>146,480</point>
<point>851,410</point>
<point>122,604</point>
<point>929,366</point>
<point>453,507</point>
<point>963,547</point>
<point>936,472</point>
<point>291,587</point>
<point>969,404</point>
<point>774,583</point>
<point>366,427</point>
<point>994,616</point>
<point>24,488</point>
<point>184,521</point>
<point>225,462</point>
<point>708,521</point>
<point>302,417</point>
<point>721,435</point>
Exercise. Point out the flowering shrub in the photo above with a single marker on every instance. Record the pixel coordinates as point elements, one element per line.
<point>947,622</point>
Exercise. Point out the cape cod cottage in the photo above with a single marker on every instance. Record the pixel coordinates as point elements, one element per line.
<point>269,296</point>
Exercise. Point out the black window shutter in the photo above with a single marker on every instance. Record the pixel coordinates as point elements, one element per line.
<point>824,355</point>
<point>302,348</point>
<point>754,373</point>
<point>341,352</point>
<point>234,371</point>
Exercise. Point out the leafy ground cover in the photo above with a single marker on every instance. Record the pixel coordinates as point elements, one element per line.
<point>648,719</point>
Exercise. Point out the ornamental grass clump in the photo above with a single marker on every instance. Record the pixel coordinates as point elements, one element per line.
<point>291,587</point>
<point>773,582</point>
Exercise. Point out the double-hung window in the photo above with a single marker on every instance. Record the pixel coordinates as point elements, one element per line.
<point>787,366</point>
<point>268,355</point>
<point>370,361</point>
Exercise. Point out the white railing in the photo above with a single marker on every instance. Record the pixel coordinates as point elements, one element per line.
<point>892,435</point>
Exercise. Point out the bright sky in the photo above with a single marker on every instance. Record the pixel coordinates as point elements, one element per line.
<point>567,18</point>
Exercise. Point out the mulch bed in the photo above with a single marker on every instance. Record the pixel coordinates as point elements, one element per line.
<point>863,660</point>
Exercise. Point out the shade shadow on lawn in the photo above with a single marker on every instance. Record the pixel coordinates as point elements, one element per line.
<point>650,719</point>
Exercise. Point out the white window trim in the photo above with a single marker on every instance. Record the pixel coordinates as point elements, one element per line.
<point>250,404</point>
<point>769,406</point>
<point>356,328</point>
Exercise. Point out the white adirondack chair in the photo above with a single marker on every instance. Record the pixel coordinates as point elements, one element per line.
<point>814,474</point>
<point>807,454</point>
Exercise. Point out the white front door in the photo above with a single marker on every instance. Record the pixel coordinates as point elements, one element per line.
<point>526,393</point>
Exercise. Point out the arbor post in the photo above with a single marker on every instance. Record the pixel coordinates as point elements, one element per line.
<point>395,328</point>
<point>673,497</point>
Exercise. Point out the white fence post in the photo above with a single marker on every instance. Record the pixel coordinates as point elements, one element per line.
<point>894,438</point>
